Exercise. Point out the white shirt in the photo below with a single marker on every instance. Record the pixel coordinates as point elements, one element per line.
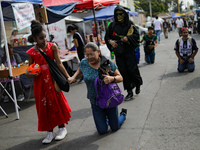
<point>157,24</point>
<point>179,23</point>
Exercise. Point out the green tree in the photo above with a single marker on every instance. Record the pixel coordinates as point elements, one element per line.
<point>197,2</point>
<point>158,6</point>
<point>191,7</point>
<point>175,6</point>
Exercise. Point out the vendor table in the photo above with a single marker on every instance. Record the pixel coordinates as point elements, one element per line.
<point>5,74</point>
<point>72,60</point>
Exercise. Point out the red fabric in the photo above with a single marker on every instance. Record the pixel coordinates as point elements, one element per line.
<point>48,3</point>
<point>95,31</point>
<point>88,4</point>
<point>52,107</point>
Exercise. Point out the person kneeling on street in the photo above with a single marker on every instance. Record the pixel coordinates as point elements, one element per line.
<point>185,49</point>
<point>89,69</point>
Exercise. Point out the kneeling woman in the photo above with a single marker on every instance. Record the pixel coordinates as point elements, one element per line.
<point>89,68</point>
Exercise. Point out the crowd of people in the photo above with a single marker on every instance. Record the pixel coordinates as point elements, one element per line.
<point>122,38</point>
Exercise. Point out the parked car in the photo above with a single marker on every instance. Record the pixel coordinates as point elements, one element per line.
<point>142,30</point>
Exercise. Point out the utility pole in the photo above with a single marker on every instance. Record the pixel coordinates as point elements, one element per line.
<point>178,7</point>
<point>150,9</point>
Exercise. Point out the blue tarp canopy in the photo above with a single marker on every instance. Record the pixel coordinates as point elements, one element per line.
<point>175,16</point>
<point>54,13</point>
<point>106,13</point>
<point>198,10</point>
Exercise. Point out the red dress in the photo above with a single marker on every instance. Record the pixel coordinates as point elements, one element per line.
<point>52,107</point>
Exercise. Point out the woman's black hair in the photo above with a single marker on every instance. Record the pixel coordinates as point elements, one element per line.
<point>71,27</point>
<point>36,29</point>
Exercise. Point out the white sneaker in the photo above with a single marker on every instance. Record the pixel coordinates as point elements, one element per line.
<point>61,134</point>
<point>48,138</point>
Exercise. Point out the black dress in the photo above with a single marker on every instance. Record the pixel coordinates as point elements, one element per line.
<point>125,52</point>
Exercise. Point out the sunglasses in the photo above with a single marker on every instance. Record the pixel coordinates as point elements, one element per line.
<point>120,14</point>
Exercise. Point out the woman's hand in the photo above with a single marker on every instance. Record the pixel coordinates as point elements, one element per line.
<point>108,79</point>
<point>71,80</point>
<point>30,75</point>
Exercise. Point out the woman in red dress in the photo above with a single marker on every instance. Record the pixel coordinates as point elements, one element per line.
<point>52,107</point>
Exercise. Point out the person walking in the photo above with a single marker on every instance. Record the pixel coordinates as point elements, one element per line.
<point>165,28</point>
<point>149,45</point>
<point>52,107</point>
<point>122,37</point>
<point>89,69</point>
<point>185,49</point>
<point>79,42</point>
<point>157,27</point>
<point>179,25</point>
<point>185,23</point>
<point>173,25</point>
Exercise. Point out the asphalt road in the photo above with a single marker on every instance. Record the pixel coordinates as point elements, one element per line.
<point>164,116</point>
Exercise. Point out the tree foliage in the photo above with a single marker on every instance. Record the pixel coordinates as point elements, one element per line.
<point>158,6</point>
<point>197,2</point>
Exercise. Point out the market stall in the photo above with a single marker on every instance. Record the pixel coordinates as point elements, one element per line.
<point>56,13</point>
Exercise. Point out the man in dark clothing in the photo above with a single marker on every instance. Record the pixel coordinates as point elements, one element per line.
<point>185,24</point>
<point>165,27</point>
<point>122,37</point>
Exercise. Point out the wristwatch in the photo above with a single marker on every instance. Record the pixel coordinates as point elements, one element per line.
<point>114,80</point>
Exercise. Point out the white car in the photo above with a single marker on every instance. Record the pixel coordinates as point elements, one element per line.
<point>142,30</point>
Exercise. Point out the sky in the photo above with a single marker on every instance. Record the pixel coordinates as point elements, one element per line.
<point>186,2</point>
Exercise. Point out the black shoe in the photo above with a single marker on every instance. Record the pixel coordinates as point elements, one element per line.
<point>124,111</point>
<point>128,97</point>
<point>137,90</point>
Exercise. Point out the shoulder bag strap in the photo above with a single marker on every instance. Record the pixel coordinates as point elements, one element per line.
<point>96,84</point>
<point>42,52</point>
<point>81,38</point>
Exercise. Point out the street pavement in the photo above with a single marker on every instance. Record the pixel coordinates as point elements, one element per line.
<point>164,116</point>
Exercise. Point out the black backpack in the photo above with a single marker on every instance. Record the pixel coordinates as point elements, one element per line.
<point>148,43</point>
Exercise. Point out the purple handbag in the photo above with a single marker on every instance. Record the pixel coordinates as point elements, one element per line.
<point>108,95</point>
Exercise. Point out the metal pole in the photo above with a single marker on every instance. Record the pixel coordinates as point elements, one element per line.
<point>84,33</point>
<point>150,9</point>
<point>8,59</point>
<point>95,22</point>
<point>178,7</point>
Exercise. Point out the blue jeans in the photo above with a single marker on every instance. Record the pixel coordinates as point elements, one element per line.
<point>189,66</point>
<point>150,57</point>
<point>157,32</point>
<point>105,117</point>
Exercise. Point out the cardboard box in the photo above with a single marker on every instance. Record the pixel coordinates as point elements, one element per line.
<point>41,15</point>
